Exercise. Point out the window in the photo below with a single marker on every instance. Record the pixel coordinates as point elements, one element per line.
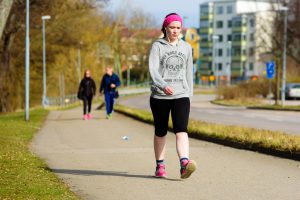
<point>206,51</point>
<point>210,65</point>
<point>252,23</point>
<point>219,10</point>
<point>244,52</point>
<point>228,52</point>
<point>252,37</point>
<point>244,66</point>
<point>237,23</point>
<point>229,23</point>
<point>251,66</point>
<point>204,38</point>
<point>237,37</point>
<point>244,37</point>
<point>204,10</point>
<point>220,38</point>
<point>236,51</point>
<point>219,24</point>
<point>229,38</point>
<point>220,66</point>
<point>251,51</point>
<point>229,9</point>
<point>204,24</point>
<point>220,52</point>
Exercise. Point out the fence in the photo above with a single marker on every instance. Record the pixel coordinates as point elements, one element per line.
<point>71,99</point>
<point>62,101</point>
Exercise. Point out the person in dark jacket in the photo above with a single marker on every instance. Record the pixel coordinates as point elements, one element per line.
<point>110,82</point>
<point>87,90</point>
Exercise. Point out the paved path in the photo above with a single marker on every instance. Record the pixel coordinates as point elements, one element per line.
<point>98,164</point>
<point>202,109</point>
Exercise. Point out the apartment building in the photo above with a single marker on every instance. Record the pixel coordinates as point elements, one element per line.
<point>234,33</point>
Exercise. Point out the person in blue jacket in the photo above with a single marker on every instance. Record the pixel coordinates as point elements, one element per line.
<point>110,82</point>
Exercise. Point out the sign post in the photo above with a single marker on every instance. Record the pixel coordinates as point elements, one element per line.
<point>270,69</point>
<point>270,72</point>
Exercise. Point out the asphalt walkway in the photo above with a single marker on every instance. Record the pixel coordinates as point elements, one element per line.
<point>94,159</point>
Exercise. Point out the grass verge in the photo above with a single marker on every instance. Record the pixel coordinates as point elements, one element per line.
<point>255,104</point>
<point>264,141</point>
<point>275,107</point>
<point>22,174</point>
<point>238,102</point>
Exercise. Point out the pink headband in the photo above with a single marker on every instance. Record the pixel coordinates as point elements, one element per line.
<point>171,18</point>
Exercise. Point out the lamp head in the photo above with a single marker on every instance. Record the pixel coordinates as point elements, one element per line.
<point>45,17</point>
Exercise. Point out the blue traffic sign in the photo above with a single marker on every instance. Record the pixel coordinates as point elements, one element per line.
<point>270,69</point>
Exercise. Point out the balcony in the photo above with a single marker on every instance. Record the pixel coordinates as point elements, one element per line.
<point>239,29</point>
<point>239,58</point>
<point>207,16</point>
<point>239,43</point>
<point>206,30</point>
<point>206,44</point>
<point>205,58</point>
<point>236,72</point>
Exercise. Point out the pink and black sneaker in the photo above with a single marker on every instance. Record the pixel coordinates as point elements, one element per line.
<point>160,171</point>
<point>187,168</point>
<point>89,116</point>
<point>85,117</point>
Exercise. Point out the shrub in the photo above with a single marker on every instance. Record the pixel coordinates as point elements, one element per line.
<point>245,90</point>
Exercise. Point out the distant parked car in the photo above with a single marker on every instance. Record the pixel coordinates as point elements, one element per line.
<point>292,91</point>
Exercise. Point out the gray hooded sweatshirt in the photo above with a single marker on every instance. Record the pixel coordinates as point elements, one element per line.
<point>171,66</point>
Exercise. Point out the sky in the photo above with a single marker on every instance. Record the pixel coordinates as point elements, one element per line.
<point>189,9</point>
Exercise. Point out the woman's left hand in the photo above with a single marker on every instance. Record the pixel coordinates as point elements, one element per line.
<point>168,90</point>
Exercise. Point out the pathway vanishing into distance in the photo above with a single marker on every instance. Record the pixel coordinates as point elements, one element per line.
<point>98,164</point>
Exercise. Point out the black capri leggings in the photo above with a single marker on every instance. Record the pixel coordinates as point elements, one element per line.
<point>87,104</point>
<point>180,110</point>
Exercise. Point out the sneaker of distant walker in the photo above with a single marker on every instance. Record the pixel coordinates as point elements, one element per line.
<point>109,116</point>
<point>89,116</point>
<point>85,117</point>
<point>160,171</point>
<point>187,168</point>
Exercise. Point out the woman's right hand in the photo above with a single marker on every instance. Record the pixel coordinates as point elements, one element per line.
<point>168,90</point>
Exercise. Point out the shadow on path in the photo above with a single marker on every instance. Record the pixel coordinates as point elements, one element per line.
<point>77,119</point>
<point>104,173</point>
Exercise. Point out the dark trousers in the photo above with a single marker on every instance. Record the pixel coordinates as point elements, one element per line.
<point>87,104</point>
<point>109,102</point>
<point>161,108</point>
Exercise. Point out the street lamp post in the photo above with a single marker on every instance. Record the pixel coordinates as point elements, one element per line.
<point>285,10</point>
<point>229,63</point>
<point>215,67</point>
<point>27,63</point>
<point>79,61</point>
<point>44,98</point>
<point>128,74</point>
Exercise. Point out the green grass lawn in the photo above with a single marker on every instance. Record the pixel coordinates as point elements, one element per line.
<point>255,104</point>
<point>276,107</point>
<point>242,137</point>
<point>238,102</point>
<point>22,174</point>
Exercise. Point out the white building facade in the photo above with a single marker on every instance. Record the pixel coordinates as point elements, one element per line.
<point>233,35</point>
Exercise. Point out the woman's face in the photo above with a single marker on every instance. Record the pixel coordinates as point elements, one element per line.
<point>173,30</point>
<point>87,74</point>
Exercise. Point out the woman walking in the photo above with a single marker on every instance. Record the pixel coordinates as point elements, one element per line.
<point>86,91</point>
<point>171,70</point>
<point>110,82</point>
